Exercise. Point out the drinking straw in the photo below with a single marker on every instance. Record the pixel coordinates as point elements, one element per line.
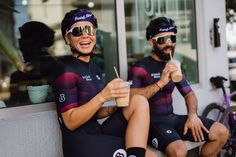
<point>117,75</point>
<point>170,56</point>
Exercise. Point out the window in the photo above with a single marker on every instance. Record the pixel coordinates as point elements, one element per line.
<point>139,13</point>
<point>50,12</point>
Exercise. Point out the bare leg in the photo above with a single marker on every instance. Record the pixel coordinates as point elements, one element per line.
<point>150,153</point>
<point>218,135</point>
<point>137,114</point>
<point>176,149</point>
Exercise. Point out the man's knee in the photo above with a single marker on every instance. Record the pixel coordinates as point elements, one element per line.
<point>218,132</point>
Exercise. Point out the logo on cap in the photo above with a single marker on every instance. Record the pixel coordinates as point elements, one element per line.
<point>82,17</point>
<point>166,29</point>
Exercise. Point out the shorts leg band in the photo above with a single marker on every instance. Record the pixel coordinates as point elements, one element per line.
<point>136,152</point>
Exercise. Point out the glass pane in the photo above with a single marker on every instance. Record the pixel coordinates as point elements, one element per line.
<point>139,13</point>
<point>13,90</point>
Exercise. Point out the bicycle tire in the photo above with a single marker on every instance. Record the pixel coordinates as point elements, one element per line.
<point>230,149</point>
<point>220,109</point>
<point>211,107</point>
<point>224,115</point>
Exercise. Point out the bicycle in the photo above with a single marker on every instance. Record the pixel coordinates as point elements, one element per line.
<point>225,114</point>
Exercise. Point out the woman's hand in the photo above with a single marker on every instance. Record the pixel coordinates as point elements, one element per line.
<point>113,89</point>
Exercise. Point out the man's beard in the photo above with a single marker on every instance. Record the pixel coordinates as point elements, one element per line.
<point>161,52</point>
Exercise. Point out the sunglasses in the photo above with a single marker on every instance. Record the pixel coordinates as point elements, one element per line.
<point>80,30</point>
<point>162,40</point>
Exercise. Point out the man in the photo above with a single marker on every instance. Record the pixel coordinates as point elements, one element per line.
<point>151,78</point>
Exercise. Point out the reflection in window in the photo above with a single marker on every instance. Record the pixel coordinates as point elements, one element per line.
<point>139,13</point>
<point>50,12</point>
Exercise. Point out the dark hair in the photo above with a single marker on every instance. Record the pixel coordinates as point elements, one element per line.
<point>158,25</point>
<point>70,18</point>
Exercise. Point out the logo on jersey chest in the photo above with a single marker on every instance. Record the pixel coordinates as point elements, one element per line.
<point>87,77</point>
<point>98,77</point>
<point>155,75</point>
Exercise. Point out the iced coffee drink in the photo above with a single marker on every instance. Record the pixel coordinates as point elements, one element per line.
<point>124,101</point>
<point>176,76</point>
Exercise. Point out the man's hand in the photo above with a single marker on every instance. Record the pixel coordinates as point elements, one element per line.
<point>165,75</point>
<point>194,123</point>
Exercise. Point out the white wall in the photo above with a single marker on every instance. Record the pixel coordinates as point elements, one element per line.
<point>212,61</point>
<point>32,135</point>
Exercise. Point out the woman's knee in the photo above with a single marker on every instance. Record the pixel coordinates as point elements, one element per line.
<point>138,106</point>
<point>139,102</point>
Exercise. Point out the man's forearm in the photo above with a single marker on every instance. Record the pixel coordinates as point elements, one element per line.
<point>148,91</point>
<point>191,102</point>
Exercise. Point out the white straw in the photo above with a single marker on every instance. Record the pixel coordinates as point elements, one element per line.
<point>117,75</point>
<point>170,56</point>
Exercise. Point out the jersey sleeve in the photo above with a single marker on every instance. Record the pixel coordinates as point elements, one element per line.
<point>66,91</point>
<point>184,87</point>
<point>137,75</point>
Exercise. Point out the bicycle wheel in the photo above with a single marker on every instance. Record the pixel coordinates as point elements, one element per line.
<point>228,119</point>
<point>225,116</point>
<point>213,111</point>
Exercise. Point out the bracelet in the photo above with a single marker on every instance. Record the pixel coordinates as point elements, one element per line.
<point>160,88</point>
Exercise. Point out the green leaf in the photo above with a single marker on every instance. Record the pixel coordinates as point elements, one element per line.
<point>6,7</point>
<point>10,52</point>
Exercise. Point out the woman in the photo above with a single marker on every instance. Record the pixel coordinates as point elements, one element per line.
<point>79,95</point>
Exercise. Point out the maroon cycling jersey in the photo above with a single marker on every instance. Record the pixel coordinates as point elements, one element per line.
<point>148,71</point>
<point>76,83</point>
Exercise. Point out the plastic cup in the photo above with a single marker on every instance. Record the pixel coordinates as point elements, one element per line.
<point>176,76</point>
<point>124,101</point>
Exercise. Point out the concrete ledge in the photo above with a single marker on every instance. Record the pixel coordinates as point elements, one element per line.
<point>190,146</point>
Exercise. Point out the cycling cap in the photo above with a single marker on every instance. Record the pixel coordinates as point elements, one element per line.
<point>75,16</point>
<point>159,25</point>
